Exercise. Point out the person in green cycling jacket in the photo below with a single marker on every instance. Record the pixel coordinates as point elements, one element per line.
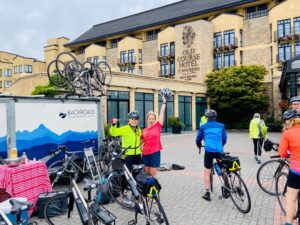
<point>131,136</point>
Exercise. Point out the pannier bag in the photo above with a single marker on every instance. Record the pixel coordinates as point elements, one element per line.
<point>231,163</point>
<point>147,185</point>
<point>269,145</point>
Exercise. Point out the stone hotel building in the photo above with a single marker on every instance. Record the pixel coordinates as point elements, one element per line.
<point>176,46</point>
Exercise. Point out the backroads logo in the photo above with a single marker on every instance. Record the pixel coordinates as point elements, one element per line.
<point>76,113</point>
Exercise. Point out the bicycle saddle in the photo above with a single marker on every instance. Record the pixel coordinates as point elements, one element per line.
<point>17,205</point>
<point>138,167</point>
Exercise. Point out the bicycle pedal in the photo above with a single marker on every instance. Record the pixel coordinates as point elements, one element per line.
<point>132,222</point>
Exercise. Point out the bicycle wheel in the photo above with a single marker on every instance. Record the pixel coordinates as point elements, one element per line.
<point>267,174</point>
<point>155,212</point>
<point>103,73</point>
<point>281,189</point>
<point>56,75</point>
<point>56,210</point>
<point>59,165</point>
<point>120,191</point>
<point>239,192</point>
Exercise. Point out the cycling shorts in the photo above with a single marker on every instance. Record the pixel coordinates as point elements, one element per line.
<point>208,159</point>
<point>152,160</point>
<point>293,180</point>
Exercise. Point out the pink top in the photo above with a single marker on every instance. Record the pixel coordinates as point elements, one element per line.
<point>151,137</point>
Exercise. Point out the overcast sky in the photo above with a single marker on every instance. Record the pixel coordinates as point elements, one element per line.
<point>25,25</point>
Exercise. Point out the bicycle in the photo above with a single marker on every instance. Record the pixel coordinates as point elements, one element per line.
<point>232,184</point>
<point>78,165</point>
<point>281,190</point>
<point>142,197</point>
<point>90,214</point>
<point>268,172</point>
<point>14,211</point>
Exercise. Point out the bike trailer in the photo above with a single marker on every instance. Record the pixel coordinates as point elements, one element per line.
<point>231,163</point>
<point>44,198</point>
<point>6,208</point>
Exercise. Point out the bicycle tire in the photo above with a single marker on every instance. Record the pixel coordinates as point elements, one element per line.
<point>266,175</point>
<point>58,165</point>
<point>64,57</point>
<point>55,211</point>
<point>103,73</point>
<point>237,185</point>
<point>120,192</point>
<point>281,189</point>
<point>74,75</point>
<point>55,74</point>
<point>155,211</point>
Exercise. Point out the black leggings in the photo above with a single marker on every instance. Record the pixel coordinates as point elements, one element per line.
<point>257,146</point>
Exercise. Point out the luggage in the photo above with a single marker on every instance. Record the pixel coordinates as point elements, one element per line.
<point>44,197</point>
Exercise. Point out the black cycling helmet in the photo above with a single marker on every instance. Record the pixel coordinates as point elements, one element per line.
<point>290,114</point>
<point>133,115</point>
<point>210,113</point>
<point>295,99</point>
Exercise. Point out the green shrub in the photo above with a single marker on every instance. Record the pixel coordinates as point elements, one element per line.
<point>174,121</point>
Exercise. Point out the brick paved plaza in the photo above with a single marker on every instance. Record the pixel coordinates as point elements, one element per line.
<point>182,189</point>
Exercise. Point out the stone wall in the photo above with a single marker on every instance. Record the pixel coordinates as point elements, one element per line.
<point>150,62</point>
<point>112,58</point>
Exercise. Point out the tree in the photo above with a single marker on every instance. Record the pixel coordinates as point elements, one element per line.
<point>237,92</point>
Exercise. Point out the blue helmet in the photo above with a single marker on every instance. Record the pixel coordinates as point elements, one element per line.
<point>295,99</point>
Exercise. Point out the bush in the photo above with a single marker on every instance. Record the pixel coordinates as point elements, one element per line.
<point>174,121</point>
<point>106,130</point>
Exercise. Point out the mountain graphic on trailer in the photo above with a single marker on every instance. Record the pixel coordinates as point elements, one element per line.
<point>42,135</point>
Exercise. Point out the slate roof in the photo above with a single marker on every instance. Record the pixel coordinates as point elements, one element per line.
<point>158,16</point>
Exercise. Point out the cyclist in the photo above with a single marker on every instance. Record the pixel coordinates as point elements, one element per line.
<point>215,137</point>
<point>295,102</point>
<point>258,131</point>
<point>203,120</point>
<point>290,141</point>
<point>131,136</point>
<point>151,137</point>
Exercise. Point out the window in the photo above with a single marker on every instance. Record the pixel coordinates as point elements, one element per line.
<point>143,104</point>
<point>89,59</point>
<point>28,68</point>
<point>172,48</point>
<point>114,43</point>
<point>217,39</point>
<point>284,52</point>
<point>297,48</point>
<point>229,59</point>
<point>0,84</point>
<point>229,37</point>
<point>185,111</point>
<point>297,25</point>
<point>122,69</point>
<point>140,56</point>
<point>201,106</point>
<point>172,68</point>
<point>140,70</point>
<point>0,72</point>
<point>122,56</point>
<point>16,69</point>
<point>20,68</point>
<point>7,84</point>
<point>118,106</point>
<point>82,50</point>
<point>241,57</point>
<point>217,61</point>
<point>164,49</point>
<point>96,60</point>
<point>164,69</point>
<point>152,35</point>
<point>169,111</point>
<point>241,38</point>
<point>104,60</point>
<point>7,72</point>
<point>131,70</point>
<point>283,28</point>
<point>256,11</point>
<point>131,57</point>
<point>102,43</point>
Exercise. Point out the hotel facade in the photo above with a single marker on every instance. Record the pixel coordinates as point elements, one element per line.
<point>177,45</point>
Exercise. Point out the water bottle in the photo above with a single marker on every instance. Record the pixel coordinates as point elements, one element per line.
<point>217,169</point>
<point>24,156</point>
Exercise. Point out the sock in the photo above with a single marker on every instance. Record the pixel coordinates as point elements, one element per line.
<point>207,191</point>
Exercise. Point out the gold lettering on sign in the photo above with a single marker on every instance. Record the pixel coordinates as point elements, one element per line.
<point>188,62</point>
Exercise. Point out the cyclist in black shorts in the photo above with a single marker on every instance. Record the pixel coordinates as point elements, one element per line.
<point>215,137</point>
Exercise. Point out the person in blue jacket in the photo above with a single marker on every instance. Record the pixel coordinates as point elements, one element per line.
<point>215,137</point>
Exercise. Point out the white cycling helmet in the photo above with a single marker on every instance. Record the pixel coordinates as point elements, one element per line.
<point>165,92</point>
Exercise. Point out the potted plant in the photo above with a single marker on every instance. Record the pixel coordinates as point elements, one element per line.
<point>176,124</point>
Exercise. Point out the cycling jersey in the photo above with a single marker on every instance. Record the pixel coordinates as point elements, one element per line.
<point>290,141</point>
<point>214,136</point>
<point>130,137</point>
